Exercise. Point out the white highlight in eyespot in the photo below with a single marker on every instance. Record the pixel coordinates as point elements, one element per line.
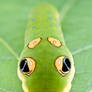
<point>31,63</point>
<point>59,62</point>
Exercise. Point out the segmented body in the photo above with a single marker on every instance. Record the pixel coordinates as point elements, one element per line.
<point>44,43</point>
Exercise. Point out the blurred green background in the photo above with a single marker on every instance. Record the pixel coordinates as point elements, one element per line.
<point>77,29</point>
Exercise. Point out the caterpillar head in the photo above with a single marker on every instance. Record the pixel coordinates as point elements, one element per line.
<point>47,64</point>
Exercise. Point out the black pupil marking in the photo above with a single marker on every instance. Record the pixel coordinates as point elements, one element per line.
<point>66,65</point>
<point>24,66</point>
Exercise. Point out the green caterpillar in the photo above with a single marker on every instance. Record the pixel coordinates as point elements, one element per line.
<point>46,64</point>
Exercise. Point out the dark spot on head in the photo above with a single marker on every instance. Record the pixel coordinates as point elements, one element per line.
<point>33,19</point>
<point>49,18</point>
<point>50,25</point>
<point>24,66</point>
<point>33,26</point>
<point>66,65</point>
<point>49,12</point>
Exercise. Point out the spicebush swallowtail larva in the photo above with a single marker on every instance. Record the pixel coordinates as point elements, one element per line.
<point>46,64</point>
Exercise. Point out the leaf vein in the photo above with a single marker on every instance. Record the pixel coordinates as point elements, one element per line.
<point>69,4</point>
<point>5,90</point>
<point>82,49</point>
<point>9,48</point>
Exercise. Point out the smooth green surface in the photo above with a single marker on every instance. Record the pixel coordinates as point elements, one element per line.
<point>77,28</point>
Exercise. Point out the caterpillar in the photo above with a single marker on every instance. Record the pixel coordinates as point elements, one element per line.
<point>45,64</point>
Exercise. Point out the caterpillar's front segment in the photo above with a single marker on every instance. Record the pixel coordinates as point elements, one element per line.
<point>46,64</point>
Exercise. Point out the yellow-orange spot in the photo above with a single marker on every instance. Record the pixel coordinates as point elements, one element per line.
<point>31,69</point>
<point>34,43</point>
<point>54,42</point>
<point>31,65</point>
<point>59,65</point>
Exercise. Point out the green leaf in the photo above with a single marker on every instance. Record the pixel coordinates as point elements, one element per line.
<point>76,18</point>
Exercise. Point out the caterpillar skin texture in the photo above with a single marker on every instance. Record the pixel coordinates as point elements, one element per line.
<point>45,54</point>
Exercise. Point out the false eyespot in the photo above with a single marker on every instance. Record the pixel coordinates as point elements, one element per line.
<point>27,66</point>
<point>34,43</point>
<point>63,65</point>
<point>54,41</point>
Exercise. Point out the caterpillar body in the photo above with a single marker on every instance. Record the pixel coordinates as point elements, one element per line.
<point>46,64</point>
